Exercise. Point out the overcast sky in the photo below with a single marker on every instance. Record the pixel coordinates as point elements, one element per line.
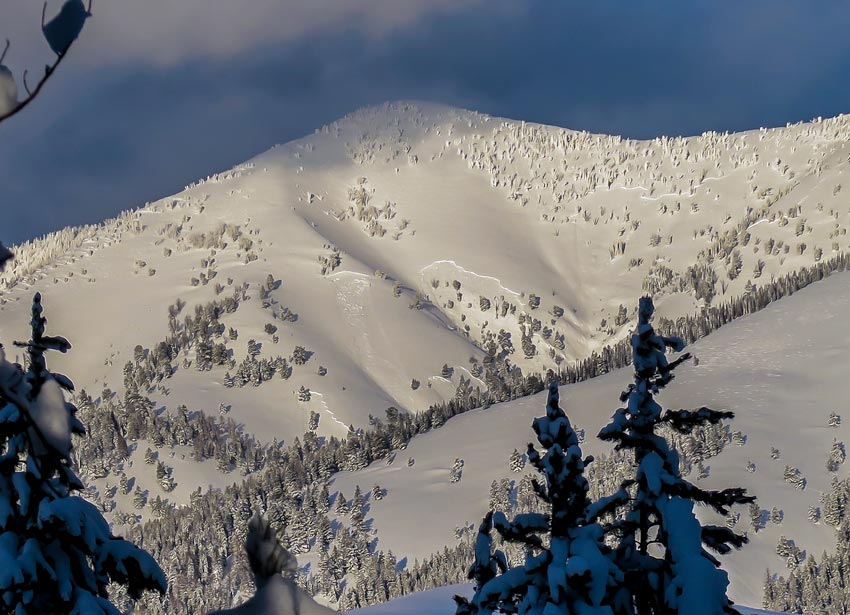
<point>158,93</point>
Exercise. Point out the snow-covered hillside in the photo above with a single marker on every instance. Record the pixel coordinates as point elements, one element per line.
<point>411,254</point>
<point>782,371</point>
<point>483,225</point>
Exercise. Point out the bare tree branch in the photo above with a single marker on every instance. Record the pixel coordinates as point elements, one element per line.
<point>49,69</point>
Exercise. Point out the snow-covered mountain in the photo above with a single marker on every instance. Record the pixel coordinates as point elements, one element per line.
<point>545,232</point>
<point>380,261</point>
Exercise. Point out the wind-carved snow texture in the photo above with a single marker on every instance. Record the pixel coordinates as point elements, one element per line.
<point>326,409</point>
<point>426,272</point>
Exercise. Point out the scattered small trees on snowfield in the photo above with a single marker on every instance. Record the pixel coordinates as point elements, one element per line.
<point>660,564</point>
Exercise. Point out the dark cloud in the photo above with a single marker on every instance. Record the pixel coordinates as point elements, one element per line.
<point>102,140</point>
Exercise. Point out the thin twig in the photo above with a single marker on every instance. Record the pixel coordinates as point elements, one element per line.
<point>48,72</point>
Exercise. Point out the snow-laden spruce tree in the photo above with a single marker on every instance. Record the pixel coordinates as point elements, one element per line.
<point>57,554</point>
<point>662,547</point>
<point>575,574</point>
<point>273,568</point>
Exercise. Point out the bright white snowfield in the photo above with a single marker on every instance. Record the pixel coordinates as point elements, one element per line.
<point>408,237</point>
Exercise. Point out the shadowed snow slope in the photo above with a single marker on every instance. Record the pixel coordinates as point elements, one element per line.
<point>439,602</point>
<point>279,596</point>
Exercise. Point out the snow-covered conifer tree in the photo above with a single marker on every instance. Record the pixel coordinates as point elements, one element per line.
<point>456,471</point>
<point>57,554</point>
<point>678,576</point>
<point>576,573</point>
<point>341,506</point>
<point>517,462</point>
<point>358,522</point>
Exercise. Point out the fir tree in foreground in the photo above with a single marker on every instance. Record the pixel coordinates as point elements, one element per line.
<point>57,554</point>
<point>576,572</point>
<point>667,569</point>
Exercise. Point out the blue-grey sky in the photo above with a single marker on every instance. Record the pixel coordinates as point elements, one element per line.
<point>160,92</point>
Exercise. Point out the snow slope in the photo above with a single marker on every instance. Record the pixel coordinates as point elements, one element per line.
<point>782,371</point>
